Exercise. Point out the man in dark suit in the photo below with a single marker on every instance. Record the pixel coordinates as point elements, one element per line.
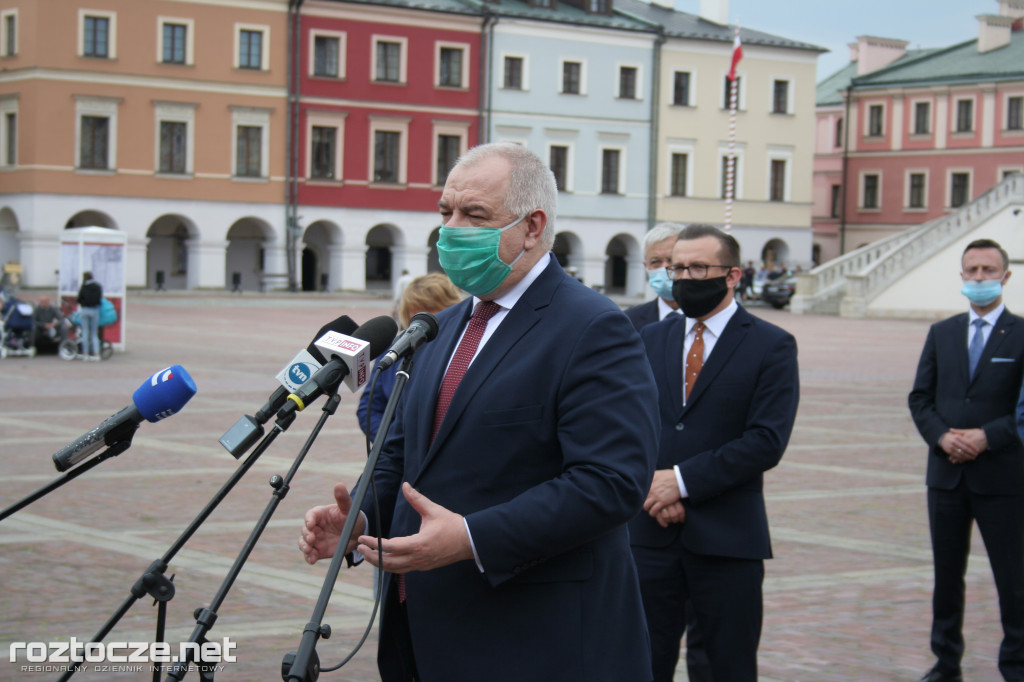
<point>658,243</point>
<point>505,514</point>
<point>726,416</point>
<point>963,403</point>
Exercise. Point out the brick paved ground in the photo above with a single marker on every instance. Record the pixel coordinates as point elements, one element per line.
<point>846,598</point>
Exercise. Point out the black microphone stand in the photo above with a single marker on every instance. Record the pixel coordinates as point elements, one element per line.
<point>304,665</point>
<point>206,617</point>
<point>113,450</point>
<point>153,582</point>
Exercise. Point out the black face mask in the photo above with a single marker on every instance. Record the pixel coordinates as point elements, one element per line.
<point>698,297</point>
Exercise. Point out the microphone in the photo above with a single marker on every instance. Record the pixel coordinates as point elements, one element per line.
<point>422,328</point>
<point>248,429</point>
<point>349,360</point>
<point>159,396</point>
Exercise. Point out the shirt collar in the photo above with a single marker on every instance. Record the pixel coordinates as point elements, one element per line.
<point>716,323</point>
<point>991,318</point>
<point>512,296</point>
<point>664,309</point>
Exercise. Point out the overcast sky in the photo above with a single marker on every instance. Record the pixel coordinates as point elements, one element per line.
<point>833,24</point>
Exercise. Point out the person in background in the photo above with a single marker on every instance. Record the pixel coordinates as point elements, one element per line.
<point>658,243</point>
<point>965,406</point>
<point>400,286</point>
<point>50,329</point>
<point>728,389</point>
<point>426,294</point>
<point>90,296</point>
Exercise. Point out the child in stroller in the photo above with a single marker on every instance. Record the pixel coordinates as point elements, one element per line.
<point>17,328</point>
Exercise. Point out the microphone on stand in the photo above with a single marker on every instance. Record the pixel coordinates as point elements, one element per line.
<point>422,329</point>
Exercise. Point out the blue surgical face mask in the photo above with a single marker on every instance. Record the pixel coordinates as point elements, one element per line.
<point>469,256</point>
<point>659,280</point>
<point>984,292</point>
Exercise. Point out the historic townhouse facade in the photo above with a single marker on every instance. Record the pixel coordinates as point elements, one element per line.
<point>903,137</point>
<point>247,144</point>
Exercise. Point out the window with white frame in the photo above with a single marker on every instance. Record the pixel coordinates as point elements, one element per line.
<point>515,74</point>
<point>875,123</point>
<point>838,141</point>
<point>325,131</point>
<point>252,47</point>
<point>781,96</point>
<point>629,82</point>
<point>959,187</point>
<point>680,167</point>
<point>388,60</point>
<point>9,131</point>
<point>737,171</point>
<point>681,88</point>
<point>175,137</point>
<point>96,133</point>
<point>559,160</point>
<point>8,33</point>
<point>1014,113</point>
<point>780,168</point>
<point>612,168</point>
<point>327,60</point>
<point>574,76</point>
<point>916,197</point>
<point>870,190</point>
<point>922,118</point>
<point>727,92</point>
<point>390,151</point>
<point>451,65</point>
<point>450,142</point>
<point>836,202</point>
<point>250,142</point>
<point>964,116</point>
<point>97,34</point>
<point>175,40</point>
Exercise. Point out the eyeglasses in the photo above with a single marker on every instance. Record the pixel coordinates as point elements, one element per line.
<point>697,271</point>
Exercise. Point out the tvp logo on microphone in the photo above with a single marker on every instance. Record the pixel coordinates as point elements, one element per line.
<point>355,353</point>
<point>298,372</point>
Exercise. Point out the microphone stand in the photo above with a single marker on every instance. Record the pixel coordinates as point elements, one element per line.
<point>206,617</point>
<point>304,665</point>
<point>153,582</point>
<point>113,450</point>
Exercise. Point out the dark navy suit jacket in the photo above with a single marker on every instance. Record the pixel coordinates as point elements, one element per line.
<point>548,450</point>
<point>643,314</point>
<point>734,427</point>
<point>945,397</point>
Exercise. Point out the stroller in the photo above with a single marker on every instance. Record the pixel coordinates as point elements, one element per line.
<point>17,329</point>
<point>70,347</point>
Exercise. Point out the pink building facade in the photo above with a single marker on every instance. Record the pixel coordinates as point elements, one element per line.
<point>903,137</point>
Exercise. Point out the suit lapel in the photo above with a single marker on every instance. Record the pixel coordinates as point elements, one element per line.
<point>519,320</point>
<point>673,360</point>
<point>732,336</point>
<point>433,373</point>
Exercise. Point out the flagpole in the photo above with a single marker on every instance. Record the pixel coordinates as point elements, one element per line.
<point>730,172</point>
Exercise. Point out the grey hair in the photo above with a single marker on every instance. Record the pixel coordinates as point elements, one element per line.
<point>531,183</point>
<point>660,233</point>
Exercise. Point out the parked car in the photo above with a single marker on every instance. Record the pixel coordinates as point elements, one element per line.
<point>777,292</point>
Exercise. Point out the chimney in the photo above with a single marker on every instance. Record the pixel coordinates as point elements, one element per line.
<point>872,53</point>
<point>1011,8</point>
<point>993,31</point>
<point>715,11</point>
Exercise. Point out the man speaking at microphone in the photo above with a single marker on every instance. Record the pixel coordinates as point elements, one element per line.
<point>524,443</point>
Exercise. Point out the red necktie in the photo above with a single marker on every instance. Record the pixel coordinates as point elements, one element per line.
<point>695,359</point>
<point>460,361</point>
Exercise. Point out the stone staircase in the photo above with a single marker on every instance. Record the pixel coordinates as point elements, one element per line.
<point>845,285</point>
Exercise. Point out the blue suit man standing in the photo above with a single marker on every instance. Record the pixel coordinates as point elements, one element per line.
<point>963,404</point>
<point>505,514</point>
<point>728,389</point>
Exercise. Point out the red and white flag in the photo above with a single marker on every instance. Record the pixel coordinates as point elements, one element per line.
<point>737,55</point>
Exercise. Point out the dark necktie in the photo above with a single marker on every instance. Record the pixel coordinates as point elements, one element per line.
<point>977,345</point>
<point>695,359</point>
<point>485,310</point>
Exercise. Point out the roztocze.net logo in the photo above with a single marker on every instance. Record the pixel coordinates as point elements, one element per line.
<point>299,373</point>
<point>51,656</point>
